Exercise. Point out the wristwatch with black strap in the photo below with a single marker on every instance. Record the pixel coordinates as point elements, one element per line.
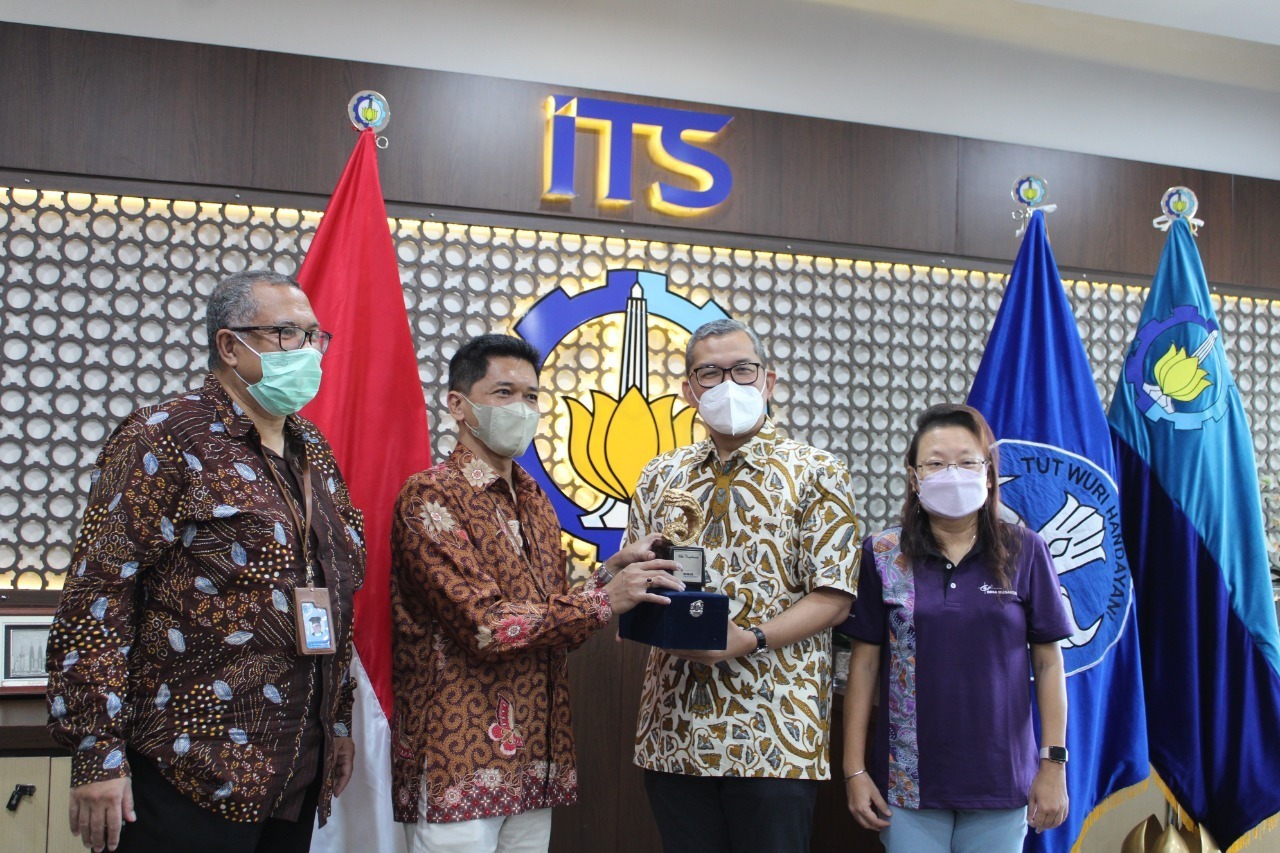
<point>762,642</point>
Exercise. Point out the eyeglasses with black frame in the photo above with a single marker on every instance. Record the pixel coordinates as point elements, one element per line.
<point>744,373</point>
<point>292,337</point>
<point>973,466</point>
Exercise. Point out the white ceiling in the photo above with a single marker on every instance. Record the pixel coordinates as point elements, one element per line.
<point>1248,20</point>
<point>1198,40</point>
<point>1165,81</point>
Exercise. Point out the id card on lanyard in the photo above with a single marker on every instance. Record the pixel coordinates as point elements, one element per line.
<point>313,627</point>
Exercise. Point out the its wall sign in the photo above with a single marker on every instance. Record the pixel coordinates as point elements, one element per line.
<point>673,140</point>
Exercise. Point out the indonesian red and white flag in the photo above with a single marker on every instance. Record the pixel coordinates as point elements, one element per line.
<point>372,410</point>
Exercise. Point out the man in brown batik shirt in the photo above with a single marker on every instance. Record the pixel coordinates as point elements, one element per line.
<point>175,671</point>
<point>484,619</point>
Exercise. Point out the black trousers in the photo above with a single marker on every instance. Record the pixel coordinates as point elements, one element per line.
<point>728,814</point>
<point>168,821</point>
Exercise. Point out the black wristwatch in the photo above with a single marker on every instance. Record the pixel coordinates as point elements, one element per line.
<point>762,642</point>
<point>1056,754</point>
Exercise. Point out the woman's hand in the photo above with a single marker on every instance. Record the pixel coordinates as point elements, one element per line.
<point>865,803</point>
<point>1047,806</point>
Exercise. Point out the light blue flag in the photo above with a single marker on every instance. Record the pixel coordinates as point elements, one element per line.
<point>1057,474</point>
<point>1193,528</point>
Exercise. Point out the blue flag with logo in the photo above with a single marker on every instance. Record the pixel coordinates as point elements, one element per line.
<point>1057,474</point>
<point>1193,526</point>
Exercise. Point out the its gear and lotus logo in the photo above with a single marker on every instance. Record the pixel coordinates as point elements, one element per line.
<point>600,441</point>
<point>1177,367</point>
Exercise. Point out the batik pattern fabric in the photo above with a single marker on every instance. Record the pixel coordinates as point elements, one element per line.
<point>899,588</point>
<point>484,619</point>
<point>175,631</point>
<point>781,524</point>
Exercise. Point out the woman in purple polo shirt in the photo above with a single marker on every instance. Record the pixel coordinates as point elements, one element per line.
<point>948,603</point>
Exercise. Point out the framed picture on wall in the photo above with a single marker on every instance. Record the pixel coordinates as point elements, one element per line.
<point>24,635</point>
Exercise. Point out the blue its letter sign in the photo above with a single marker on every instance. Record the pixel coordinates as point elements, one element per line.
<point>672,138</point>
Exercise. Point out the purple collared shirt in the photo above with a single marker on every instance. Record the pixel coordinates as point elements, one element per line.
<point>954,729</point>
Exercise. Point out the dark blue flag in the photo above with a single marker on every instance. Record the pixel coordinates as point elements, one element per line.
<point>1057,474</point>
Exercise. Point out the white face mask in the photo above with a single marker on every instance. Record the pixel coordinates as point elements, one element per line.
<point>506,430</point>
<point>953,492</point>
<point>730,408</point>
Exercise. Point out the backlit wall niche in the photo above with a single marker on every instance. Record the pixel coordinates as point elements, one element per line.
<point>103,311</point>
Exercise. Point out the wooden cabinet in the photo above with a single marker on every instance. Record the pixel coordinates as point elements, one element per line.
<point>60,838</point>
<point>29,756</point>
<point>39,824</point>
<point>27,827</point>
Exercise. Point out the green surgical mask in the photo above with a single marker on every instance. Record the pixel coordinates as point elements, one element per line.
<point>289,381</point>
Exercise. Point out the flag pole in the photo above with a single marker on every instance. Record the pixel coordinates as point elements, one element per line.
<point>372,410</point>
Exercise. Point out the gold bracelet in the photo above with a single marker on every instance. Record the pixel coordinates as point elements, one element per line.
<point>855,773</point>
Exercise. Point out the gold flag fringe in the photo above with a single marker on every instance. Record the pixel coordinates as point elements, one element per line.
<point>1116,798</point>
<point>1183,818</point>
<point>1262,831</point>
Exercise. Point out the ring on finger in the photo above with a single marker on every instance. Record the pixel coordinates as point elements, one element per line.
<point>648,582</point>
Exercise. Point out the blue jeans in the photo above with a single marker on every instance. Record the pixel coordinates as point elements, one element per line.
<point>955,830</point>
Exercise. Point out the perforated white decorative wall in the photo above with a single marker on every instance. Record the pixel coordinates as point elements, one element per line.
<point>103,312</point>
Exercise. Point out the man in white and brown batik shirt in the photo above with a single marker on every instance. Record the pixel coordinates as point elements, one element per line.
<point>176,674</point>
<point>734,743</point>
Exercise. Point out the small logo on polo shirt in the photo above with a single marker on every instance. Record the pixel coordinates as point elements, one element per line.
<point>995,590</point>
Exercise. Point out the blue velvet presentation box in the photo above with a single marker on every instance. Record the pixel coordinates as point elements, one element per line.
<point>693,620</point>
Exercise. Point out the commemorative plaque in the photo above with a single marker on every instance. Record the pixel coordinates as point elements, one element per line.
<point>695,619</point>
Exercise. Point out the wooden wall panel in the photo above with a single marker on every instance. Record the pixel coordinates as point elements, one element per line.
<point>1255,243</point>
<point>641,835</point>
<point>594,675</point>
<point>1105,208</point>
<point>108,106</point>
<point>116,106</point>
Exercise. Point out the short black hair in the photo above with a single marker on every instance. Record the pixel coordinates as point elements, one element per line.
<point>470,363</point>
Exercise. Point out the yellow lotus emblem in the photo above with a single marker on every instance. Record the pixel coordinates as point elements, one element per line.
<point>610,443</point>
<point>1180,376</point>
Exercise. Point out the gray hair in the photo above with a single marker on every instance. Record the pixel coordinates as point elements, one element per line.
<point>232,304</point>
<point>715,329</point>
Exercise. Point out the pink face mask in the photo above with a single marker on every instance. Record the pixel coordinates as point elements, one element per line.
<point>953,492</point>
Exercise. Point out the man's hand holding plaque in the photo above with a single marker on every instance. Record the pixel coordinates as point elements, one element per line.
<point>694,619</point>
